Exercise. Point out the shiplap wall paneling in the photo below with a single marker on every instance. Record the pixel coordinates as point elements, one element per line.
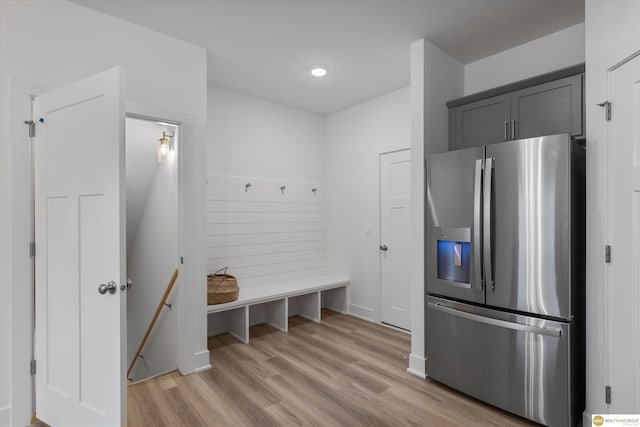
<point>263,233</point>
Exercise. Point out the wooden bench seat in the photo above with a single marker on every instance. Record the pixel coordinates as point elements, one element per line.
<point>274,303</point>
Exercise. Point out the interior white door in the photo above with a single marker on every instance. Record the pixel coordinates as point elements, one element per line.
<point>80,332</point>
<point>395,238</point>
<point>624,213</point>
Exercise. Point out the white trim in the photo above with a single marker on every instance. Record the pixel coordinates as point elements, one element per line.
<point>147,112</point>
<point>417,366</point>
<point>201,360</point>
<point>5,417</point>
<point>364,313</point>
<point>586,418</point>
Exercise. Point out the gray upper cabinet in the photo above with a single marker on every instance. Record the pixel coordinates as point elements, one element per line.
<point>545,105</point>
<point>548,109</point>
<point>481,122</point>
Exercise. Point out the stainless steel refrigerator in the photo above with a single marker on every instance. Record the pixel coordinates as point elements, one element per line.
<point>505,275</point>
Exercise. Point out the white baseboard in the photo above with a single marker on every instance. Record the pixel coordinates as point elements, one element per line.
<point>362,312</point>
<point>201,363</point>
<point>203,368</point>
<point>417,366</point>
<point>5,417</point>
<point>201,360</point>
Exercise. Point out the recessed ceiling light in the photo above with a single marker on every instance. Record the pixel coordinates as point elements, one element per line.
<point>318,72</point>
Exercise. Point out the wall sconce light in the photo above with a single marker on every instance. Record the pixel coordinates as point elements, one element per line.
<point>164,146</point>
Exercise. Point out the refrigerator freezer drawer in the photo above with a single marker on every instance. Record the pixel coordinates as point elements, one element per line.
<point>517,363</point>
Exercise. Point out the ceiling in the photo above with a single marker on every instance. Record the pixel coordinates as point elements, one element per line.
<point>265,48</point>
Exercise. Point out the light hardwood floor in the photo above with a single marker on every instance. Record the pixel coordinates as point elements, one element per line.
<point>342,372</point>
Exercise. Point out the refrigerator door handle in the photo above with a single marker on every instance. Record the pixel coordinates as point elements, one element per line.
<point>477,225</point>
<point>553,332</point>
<point>486,217</point>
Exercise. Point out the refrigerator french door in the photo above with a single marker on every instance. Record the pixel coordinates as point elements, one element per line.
<point>504,273</point>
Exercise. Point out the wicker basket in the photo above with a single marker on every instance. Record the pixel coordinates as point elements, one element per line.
<point>221,287</point>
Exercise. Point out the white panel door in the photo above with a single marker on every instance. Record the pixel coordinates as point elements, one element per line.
<point>624,213</point>
<point>80,332</point>
<point>395,238</point>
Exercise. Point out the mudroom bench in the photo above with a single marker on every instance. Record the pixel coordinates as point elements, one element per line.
<point>273,304</point>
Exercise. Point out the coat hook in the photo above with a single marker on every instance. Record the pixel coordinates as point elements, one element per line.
<point>246,186</point>
<point>314,189</point>
<point>282,188</point>
<point>168,305</point>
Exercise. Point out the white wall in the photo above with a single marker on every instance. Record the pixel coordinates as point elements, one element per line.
<point>141,138</point>
<point>609,27</point>
<point>549,53</point>
<point>152,230</point>
<point>256,138</point>
<point>269,145</point>
<point>355,137</point>
<point>436,77</point>
<point>5,273</point>
<point>56,42</point>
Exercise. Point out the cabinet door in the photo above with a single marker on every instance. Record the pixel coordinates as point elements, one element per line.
<point>480,123</point>
<point>548,109</point>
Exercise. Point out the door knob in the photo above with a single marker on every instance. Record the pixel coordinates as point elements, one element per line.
<point>109,287</point>
<point>129,283</point>
<point>383,248</point>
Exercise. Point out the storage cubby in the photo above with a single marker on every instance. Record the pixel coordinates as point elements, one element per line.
<point>233,321</point>
<point>307,306</point>
<point>273,313</point>
<point>334,299</point>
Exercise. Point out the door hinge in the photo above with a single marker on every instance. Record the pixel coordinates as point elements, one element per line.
<point>181,260</point>
<point>607,394</point>
<point>32,367</point>
<point>607,110</point>
<point>607,253</point>
<point>32,249</point>
<point>32,128</point>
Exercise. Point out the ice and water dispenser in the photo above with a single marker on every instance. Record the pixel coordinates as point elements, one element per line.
<point>454,254</point>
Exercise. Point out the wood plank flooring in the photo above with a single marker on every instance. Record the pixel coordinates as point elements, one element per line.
<point>342,372</point>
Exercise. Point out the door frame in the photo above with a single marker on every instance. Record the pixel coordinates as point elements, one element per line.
<point>153,115</point>
<point>188,362</point>
<point>599,145</point>
<point>21,264</point>
<point>379,305</point>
